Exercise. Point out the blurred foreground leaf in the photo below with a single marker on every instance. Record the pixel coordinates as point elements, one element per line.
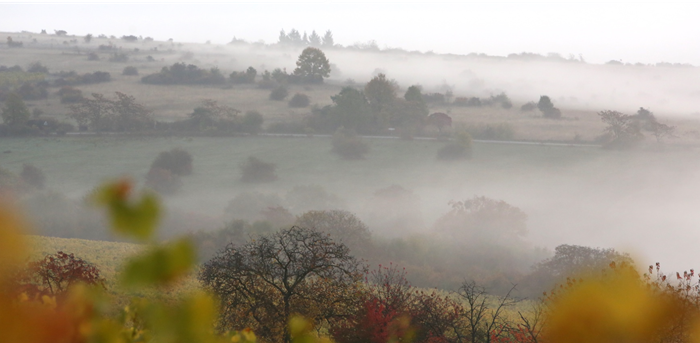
<point>160,265</point>
<point>12,245</point>
<point>617,309</point>
<point>137,219</point>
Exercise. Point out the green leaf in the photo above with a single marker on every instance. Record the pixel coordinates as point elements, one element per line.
<point>136,219</point>
<point>161,265</point>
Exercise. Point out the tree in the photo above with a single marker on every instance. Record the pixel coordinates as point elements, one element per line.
<point>283,39</point>
<point>342,226</point>
<point>439,120</point>
<point>623,130</point>
<point>312,65</point>
<point>314,39</point>
<point>394,311</point>
<point>88,38</point>
<point>569,260</point>
<point>328,39</point>
<point>352,110</point>
<point>484,322</point>
<point>483,219</point>
<point>380,92</point>
<point>294,271</point>
<point>54,274</point>
<point>103,114</point>
<point>15,113</point>
<point>547,108</point>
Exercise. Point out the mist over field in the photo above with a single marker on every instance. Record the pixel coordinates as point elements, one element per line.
<point>486,196</point>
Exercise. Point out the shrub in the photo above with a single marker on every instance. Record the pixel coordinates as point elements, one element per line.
<point>247,76</point>
<point>181,73</point>
<point>279,93</point>
<point>299,101</point>
<point>130,70</point>
<point>93,57</point>
<point>177,161</point>
<point>348,145</point>
<point>70,95</point>
<point>119,57</point>
<point>163,180</point>
<point>547,108</point>
<point>460,148</point>
<point>528,107</point>
<point>32,176</point>
<point>37,67</point>
<point>33,90</point>
<point>255,170</point>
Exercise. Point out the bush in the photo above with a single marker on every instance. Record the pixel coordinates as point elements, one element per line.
<point>33,90</point>
<point>176,161</point>
<point>181,73</point>
<point>119,57</point>
<point>348,145</point>
<point>37,67</point>
<point>93,57</point>
<point>528,107</point>
<point>255,170</point>
<point>163,180</point>
<point>461,148</point>
<point>547,108</point>
<point>279,93</point>
<point>130,70</point>
<point>72,78</point>
<point>70,95</point>
<point>247,76</point>
<point>299,101</point>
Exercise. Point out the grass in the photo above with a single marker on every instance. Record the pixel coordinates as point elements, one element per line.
<point>74,165</point>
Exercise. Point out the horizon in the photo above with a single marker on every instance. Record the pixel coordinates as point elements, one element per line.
<point>599,33</point>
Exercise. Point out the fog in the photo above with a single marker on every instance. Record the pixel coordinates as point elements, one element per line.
<point>642,200</point>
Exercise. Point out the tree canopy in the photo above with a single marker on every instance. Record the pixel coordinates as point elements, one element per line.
<point>312,65</point>
<point>296,270</point>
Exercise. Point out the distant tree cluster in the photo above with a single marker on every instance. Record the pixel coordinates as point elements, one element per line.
<point>247,76</point>
<point>72,78</point>
<point>102,114</point>
<point>17,119</point>
<point>372,110</point>
<point>295,38</point>
<point>501,100</point>
<point>626,131</point>
<point>211,118</point>
<point>181,73</point>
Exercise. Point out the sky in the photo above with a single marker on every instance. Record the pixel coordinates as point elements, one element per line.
<point>646,32</point>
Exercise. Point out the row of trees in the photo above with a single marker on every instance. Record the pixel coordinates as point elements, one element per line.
<point>314,40</point>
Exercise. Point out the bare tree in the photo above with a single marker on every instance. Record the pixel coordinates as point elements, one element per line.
<point>482,322</point>
<point>296,270</point>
